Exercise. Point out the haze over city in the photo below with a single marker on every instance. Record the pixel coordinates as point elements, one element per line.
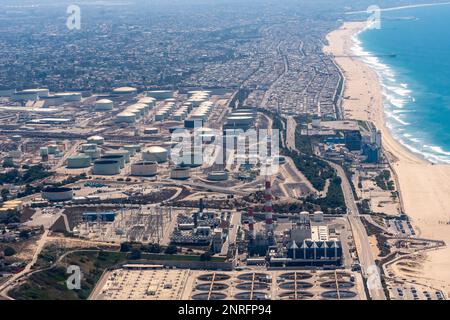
<point>224,150</point>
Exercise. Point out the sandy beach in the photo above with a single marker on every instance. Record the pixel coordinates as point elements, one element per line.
<point>424,188</point>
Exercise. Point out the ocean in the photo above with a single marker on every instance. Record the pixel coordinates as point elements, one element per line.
<point>416,81</point>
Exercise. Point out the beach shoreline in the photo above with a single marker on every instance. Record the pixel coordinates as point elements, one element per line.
<point>424,187</point>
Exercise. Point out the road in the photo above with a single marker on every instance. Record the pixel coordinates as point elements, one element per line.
<point>290,133</point>
<point>361,239</point>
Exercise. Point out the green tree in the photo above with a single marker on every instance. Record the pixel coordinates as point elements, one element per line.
<point>9,251</point>
<point>171,249</point>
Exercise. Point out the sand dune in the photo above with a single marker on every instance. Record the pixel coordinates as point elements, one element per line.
<point>425,188</point>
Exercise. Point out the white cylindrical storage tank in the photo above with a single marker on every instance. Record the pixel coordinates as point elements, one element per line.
<point>57,194</point>
<point>240,120</point>
<point>197,92</point>
<point>180,173</point>
<point>132,148</point>
<point>144,169</point>
<point>115,157</point>
<point>104,105</point>
<point>218,176</point>
<point>126,117</point>
<point>107,167</point>
<point>160,94</point>
<point>98,140</point>
<point>137,112</point>
<point>78,161</point>
<point>148,101</point>
<point>155,154</point>
<point>160,116</point>
<point>125,91</point>
<point>70,96</point>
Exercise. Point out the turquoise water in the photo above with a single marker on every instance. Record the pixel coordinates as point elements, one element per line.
<point>416,82</point>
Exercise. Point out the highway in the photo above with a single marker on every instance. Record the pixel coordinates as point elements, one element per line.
<point>368,266</point>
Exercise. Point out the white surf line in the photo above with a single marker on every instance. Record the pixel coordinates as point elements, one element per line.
<point>404,7</point>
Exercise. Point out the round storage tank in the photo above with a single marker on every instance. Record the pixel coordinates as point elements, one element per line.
<point>148,101</point>
<point>69,96</point>
<point>160,94</point>
<point>240,120</point>
<point>92,153</point>
<point>155,154</point>
<point>115,157</point>
<point>126,117</point>
<point>98,140</point>
<point>78,162</point>
<point>104,105</point>
<point>124,153</point>
<point>132,149</point>
<point>88,146</point>
<point>218,176</point>
<point>125,91</point>
<point>107,167</point>
<point>144,169</point>
<point>57,194</point>
<point>180,173</point>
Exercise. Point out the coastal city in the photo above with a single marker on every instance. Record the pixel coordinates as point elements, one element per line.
<point>229,150</point>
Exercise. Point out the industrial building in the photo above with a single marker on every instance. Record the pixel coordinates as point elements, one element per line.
<point>108,216</point>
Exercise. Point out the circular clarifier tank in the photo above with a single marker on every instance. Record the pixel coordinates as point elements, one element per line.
<point>215,276</point>
<point>340,284</point>
<point>251,296</point>
<point>253,276</point>
<point>296,275</point>
<point>255,285</point>
<point>211,296</point>
<point>211,286</point>
<point>339,275</point>
<point>341,295</point>
<point>296,295</point>
<point>292,285</point>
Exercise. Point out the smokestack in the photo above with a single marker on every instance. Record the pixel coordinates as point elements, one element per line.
<point>268,208</point>
<point>251,222</point>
